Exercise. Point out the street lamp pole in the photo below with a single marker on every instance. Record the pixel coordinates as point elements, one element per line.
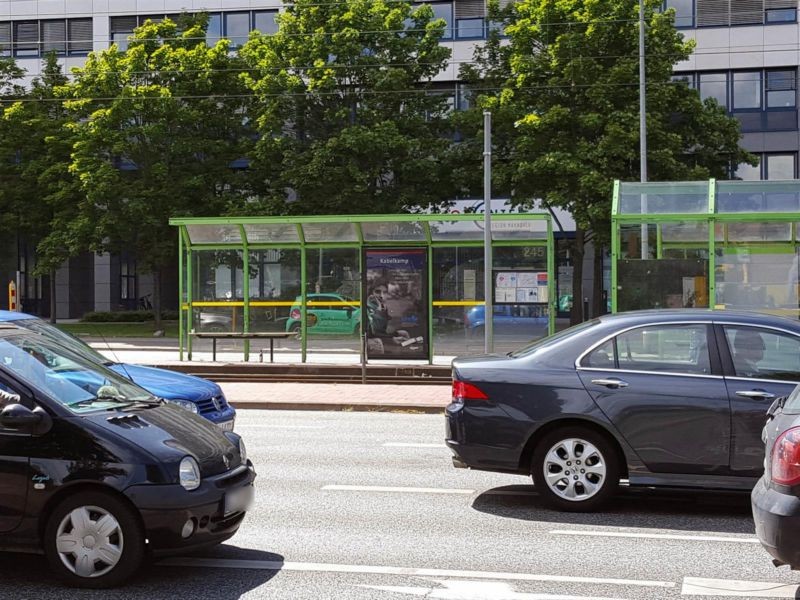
<point>488,344</point>
<point>642,127</point>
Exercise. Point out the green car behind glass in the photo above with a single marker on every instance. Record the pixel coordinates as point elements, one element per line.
<point>332,314</point>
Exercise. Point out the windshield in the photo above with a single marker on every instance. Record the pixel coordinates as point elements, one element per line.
<point>63,338</point>
<point>76,382</point>
<point>556,337</point>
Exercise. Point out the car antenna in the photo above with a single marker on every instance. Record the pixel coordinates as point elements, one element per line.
<point>114,354</point>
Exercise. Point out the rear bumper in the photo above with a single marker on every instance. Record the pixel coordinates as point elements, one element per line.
<point>777,519</point>
<point>460,433</point>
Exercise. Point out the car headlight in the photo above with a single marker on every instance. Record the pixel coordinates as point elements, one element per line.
<point>242,450</point>
<point>189,474</point>
<point>190,406</point>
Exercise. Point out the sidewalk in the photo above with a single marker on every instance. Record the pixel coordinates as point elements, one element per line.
<point>338,396</point>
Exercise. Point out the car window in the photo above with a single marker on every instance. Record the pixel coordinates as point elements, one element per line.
<point>601,357</point>
<point>69,378</point>
<point>545,342</point>
<point>665,348</point>
<point>62,337</point>
<point>763,353</point>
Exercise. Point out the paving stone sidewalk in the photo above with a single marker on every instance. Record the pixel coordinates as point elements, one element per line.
<point>338,396</point>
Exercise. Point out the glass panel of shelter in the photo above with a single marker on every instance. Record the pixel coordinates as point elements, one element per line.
<point>217,294</point>
<point>333,311</point>
<point>668,270</point>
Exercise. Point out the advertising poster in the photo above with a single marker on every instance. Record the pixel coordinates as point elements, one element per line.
<point>520,287</point>
<point>396,303</point>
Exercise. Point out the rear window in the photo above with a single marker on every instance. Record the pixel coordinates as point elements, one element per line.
<point>553,339</point>
<point>792,404</point>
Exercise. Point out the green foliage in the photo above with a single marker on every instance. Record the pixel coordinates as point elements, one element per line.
<point>346,123</point>
<point>157,129</point>
<point>565,97</point>
<point>43,190</point>
<point>127,316</point>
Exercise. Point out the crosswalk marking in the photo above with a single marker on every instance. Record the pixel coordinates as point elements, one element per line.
<point>730,588</point>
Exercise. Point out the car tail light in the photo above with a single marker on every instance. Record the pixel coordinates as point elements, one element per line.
<point>295,314</point>
<point>466,391</point>
<point>786,458</point>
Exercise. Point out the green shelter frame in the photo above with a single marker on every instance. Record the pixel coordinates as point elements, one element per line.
<point>718,244</point>
<point>307,234</point>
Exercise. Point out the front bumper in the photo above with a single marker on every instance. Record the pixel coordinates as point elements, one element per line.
<point>777,518</point>
<point>166,508</point>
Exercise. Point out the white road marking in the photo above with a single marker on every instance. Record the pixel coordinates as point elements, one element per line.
<point>658,536</point>
<point>411,445</point>
<point>475,590</point>
<point>402,490</point>
<point>225,563</point>
<point>696,586</point>
<point>266,426</point>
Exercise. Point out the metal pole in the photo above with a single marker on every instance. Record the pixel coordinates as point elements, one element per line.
<point>642,127</point>
<point>488,342</point>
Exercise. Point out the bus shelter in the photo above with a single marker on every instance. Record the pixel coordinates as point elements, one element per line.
<point>721,244</point>
<point>405,286</point>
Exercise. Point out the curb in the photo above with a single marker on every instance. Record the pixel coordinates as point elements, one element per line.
<point>321,406</point>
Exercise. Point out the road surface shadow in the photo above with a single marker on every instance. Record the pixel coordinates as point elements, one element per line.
<point>29,576</point>
<point>691,511</point>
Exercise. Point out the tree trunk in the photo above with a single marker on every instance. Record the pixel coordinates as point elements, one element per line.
<point>598,302</point>
<point>157,298</point>
<point>52,295</point>
<point>576,316</point>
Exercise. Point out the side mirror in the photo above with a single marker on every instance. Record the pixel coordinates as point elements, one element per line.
<point>17,416</point>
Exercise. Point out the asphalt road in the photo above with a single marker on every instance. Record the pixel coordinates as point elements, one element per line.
<point>367,505</point>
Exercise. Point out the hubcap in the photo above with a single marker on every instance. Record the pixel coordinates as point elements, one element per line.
<point>89,541</point>
<point>574,469</point>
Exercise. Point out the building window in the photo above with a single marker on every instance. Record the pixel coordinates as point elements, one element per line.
<point>781,89</point>
<point>26,38</point>
<point>781,15</point>
<point>214,31</point>
<point>714,85</point>
<point>5,39</point>
<point>53,36</point>
<point>747,172</point>
<point>237,28</point>
<point>127,276</point>
<point>780,166</point>
<point>121,29</point>
<point>444,11</point>
<point>686,79</point>
<point>746,90</point>
<point>265,21</point>
<point>470,29</point>
<point>684,12</point>
<point>80,35</point>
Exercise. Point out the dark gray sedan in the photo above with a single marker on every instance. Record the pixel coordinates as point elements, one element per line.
<point>658,398</point>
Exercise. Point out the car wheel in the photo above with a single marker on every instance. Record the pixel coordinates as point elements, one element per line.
<point>94,540</point>
<point>297,330</point>
<point>575,469</point>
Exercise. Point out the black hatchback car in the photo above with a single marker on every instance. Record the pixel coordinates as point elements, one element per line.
<point>776,497</point>
<point>96,473</point>
<point>658,398</point>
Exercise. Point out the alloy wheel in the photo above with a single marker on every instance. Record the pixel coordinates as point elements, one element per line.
<point>574,469</point>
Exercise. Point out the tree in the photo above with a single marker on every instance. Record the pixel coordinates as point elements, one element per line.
<point>44,192</point>
<point>159,127</point>
<point>570,71</point>
<point>348,117</point>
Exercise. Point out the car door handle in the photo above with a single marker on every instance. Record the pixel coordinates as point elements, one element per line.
<point>611,383</point>
<point>756,394</point>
